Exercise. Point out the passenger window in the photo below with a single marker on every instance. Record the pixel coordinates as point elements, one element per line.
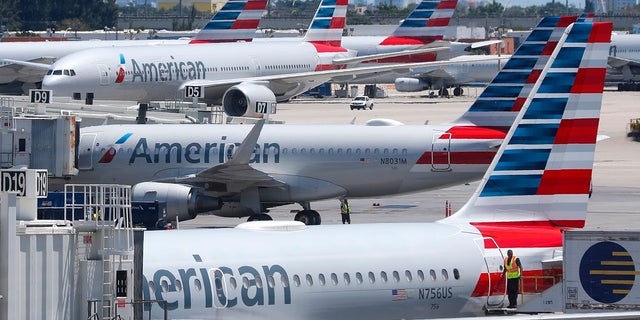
<point>420,275</point>
<point>432,273</point>
<point>372,277</point>
<point>358,277</point>
<point>152,287</point>
<point>321,279</point>
<point>178,285</point>
<point>271,282</point>
<point>245,282</point>
<point>408,275</point>
<point>445,274</point>
<point>233,283</point>
<point>347,278</point>
<point>456,274</point>
<point>164,285</point>
<point>285,281</point>
<point>296,280</point>
<point>334,279</point>
<point>198,284</point>
<point>383,276</point>
<point>309,280</point>
<point>396,276</point>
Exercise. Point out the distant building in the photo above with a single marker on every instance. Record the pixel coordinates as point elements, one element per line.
<point>200,5</point>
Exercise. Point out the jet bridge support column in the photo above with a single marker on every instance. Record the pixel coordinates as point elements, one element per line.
<point>142,113</point>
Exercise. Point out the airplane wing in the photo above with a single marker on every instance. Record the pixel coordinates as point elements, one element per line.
<point>481,44</point>
<point>616,62</point>
<point>285,86</point>
<point>236,174</point>
<point>37,64</point>
<point>432,47</point>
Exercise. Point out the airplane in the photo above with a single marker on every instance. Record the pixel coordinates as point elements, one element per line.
<point>24,64</point>
<point>237,75</point>
<point>536,186</point>
<point>243,170</point>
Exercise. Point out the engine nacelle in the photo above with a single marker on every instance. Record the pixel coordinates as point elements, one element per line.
<point>183,202</point>
<point>248,100</point>
<point>411,85</point>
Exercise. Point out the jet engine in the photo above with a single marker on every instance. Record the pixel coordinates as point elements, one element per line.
<point>183,202</point>
<point>411,85</point>
<point>248,100</point>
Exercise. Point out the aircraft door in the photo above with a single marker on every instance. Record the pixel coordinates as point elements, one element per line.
<point>104,74</point>
<point>220,285</point>
<point>85,151</point>
<point>440,151</point>
<point>493,264</point>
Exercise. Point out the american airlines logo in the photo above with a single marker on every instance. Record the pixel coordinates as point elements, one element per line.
<point>167,71</point>
<point>255,292</point>
<point>193,152</point>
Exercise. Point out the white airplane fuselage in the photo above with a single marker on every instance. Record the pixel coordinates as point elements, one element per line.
<point>316,162</point>
<point>439,271</point>
<point>157,73</point>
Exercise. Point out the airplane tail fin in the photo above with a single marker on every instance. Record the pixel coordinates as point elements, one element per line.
<point>238,20</point>
<point>541,175</point>
<point>328,23</point>
<point>500,102</point>
<point>426,23</point>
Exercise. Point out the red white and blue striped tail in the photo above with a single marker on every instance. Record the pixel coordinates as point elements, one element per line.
<point>541,175</point>
<point>238,20</point>
<point>501,101</point>
<point>426,23</point>
<point>328,23</point>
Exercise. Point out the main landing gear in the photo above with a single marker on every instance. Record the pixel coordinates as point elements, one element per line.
<point>308,217</point>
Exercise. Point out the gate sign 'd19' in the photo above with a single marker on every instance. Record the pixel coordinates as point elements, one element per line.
<point>26,183</point>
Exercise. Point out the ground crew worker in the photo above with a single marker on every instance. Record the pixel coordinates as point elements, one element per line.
<point>513,270</point>
<point>344,211</point>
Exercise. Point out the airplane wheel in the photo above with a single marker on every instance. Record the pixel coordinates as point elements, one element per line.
<point>260,217</point>
<point>371,107</point>
<point>458,91</point>
<point>443,92</point>
<point>308,217</point>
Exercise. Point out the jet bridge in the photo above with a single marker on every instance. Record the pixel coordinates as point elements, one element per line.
<point>31,139</point>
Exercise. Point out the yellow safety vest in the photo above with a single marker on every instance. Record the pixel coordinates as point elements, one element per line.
<point>512,268</point>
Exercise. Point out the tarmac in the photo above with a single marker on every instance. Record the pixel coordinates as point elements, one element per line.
<point>615,201</point>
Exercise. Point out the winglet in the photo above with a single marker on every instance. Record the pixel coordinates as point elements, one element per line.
<point>238,20</point>
<point>243,154</point>
<point>541,175</point>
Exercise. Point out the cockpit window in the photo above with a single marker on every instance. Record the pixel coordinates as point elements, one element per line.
<point>49,72</point>
<point>66,72</point>
<point>72,72</point>
<point>57,72</point>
